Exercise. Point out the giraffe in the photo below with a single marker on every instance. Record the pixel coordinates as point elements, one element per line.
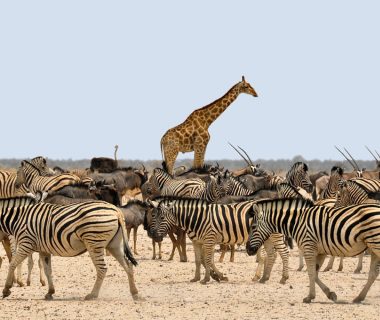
<point>192,134</point>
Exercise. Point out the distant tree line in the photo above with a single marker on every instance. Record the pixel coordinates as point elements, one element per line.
<point>278,165</point>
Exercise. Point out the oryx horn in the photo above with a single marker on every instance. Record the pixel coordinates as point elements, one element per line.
<point>240,154</point>
<point>357,167</point>
<point>345,157</point>
<point>372,154</point>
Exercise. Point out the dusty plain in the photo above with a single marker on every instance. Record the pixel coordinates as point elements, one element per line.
<point>168,294</point>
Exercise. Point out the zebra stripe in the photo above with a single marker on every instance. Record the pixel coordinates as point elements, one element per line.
<point>187,188</point>
<point>37,181</point>
<point>319,231</point>
<point>66,231</point>
<point>210,224</point>
<point>298,176</point>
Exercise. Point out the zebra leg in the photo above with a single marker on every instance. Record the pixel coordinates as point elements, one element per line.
<point>30,268</point>
<point>283,250</point>
<point>116,248</point>
<point>182,243</point>
<point>46,261</point>
<point>271,257</point>
<point>207,256</point>
<point>223,249</point>
<point>174,245</point>
<point>198,260</point>
<point>97,257</point>
<point>340,268</point>
<point>330,264</point>
<point>214,272</point>
<point>261,261</point>
<point>41,267</point>
<point>232,257</point>
<point>330,294</point>
<point>359,267</point>
<point>372,275</point>
<point>310,260</point>
<point>301,259</point>
<point>16,260</point>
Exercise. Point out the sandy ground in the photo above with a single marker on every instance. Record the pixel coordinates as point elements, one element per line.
<point>169,294</point>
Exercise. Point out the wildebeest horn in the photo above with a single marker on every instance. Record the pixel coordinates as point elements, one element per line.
<point>240,154</point>
<point>372,154</point>
<point>345,157</point>
<point>357,167</point>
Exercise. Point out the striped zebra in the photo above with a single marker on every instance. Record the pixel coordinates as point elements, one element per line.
<point>187,188</point>
<point>66,231</point>
<point>332,187</point>
<point>37,180</point>
<point>298,176</point>
<point>320,231</point>
<point>210,224</point>
<point>353,191</point>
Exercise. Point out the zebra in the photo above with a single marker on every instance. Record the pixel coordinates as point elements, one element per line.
<point>211,190</point>
<point>319,231</point>
<point>353,191</point>
<point>66,231</point>
<point>332,187</point>
<point>298,176</point>
<point>38,181</point>
<point>209,224</point>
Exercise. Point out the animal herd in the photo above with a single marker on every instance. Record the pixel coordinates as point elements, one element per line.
<point>61,212</point>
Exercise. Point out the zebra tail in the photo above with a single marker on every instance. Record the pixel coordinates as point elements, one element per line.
<point>127,250</point>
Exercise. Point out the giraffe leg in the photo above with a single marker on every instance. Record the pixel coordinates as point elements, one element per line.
<point>170,155</point>
<point>200,145</point>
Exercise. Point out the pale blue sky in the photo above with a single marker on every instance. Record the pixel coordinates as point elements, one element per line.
<point>77,77</point>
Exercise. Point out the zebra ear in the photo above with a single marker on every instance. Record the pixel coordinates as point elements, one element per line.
<point>153,204</point>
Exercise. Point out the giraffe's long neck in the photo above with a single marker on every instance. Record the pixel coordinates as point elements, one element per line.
<point>208,114</point>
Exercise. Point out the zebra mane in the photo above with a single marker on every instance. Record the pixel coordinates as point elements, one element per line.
<point>307,202</point>
<point>204,169</point>
<point>338,169</point>
<point>160,199</point>
<point>133,202</point>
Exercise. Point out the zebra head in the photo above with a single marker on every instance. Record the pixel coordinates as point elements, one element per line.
<point>163,220</point>
<point>40,164</point>
<point>21,189</point>
<point>257,234</point>
<point>298,176</point>
<point>349,193</point>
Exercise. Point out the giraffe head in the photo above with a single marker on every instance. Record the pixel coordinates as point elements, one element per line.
<point>245,87</point>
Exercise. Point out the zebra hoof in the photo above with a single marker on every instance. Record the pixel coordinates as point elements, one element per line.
<point>300,268</point>
<point>307,299</point>
<point>214,275</point>
<point>204,281</point>
<point>137,297</point>
<point>20,283</point>
<point>48,296</point>
<point>28,283</point>
<point>332,296</point>
<point>90,297</point>
<point>43,283</point>
<point>6,293</point>
<point>283,280</point>
<point>357,300</point>
<point>326,269</point>
<point>194,279</point>
<point>357,271</point>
